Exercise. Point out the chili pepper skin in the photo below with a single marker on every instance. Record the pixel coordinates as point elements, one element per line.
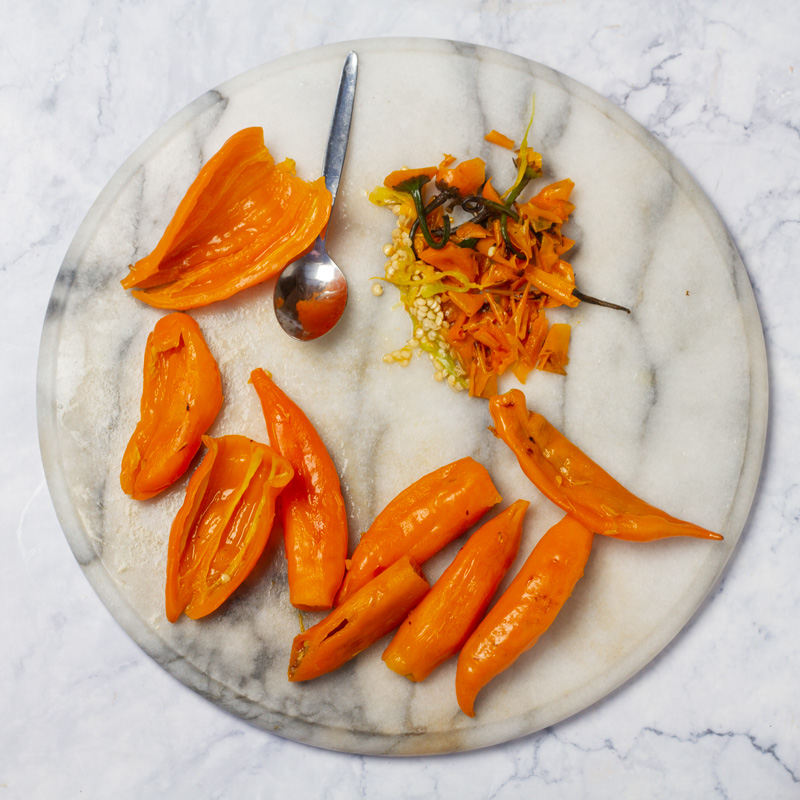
<point>370,613</point>
<point>421,520</point>
<point>575,483</point>
<point>525,610</point>
<point>221,529</point>
<point>181,397</point>
<point>243,219</point>
<point>440,625</point>
<point>311,507</point>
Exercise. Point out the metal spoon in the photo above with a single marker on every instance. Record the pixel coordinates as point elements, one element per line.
<point>311,293</point>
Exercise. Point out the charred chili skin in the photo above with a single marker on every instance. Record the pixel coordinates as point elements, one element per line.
<point>421,520</point>
<point>575,483</point>
<point>222,528</point>
<point>440,625</point>
<point>370,613</point>
<point>312,507</point>
<point>525,610</point>
<point>181,397</point>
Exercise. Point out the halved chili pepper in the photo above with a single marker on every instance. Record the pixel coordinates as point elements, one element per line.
<point>421,520</point>
<point>525,610</point>
<point>181,397</point>
<point>370,613</point>
<point>440,625</point>
<point>223,525</point>
<point>311,507</point>
<point>243,219</point>
<point>575,483</point>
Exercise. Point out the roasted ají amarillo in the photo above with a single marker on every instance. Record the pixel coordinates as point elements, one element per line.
<point>370,613</point>
<point>525,610</point>
<point>243,219</point>
<point>439,626</point>
<point>575,483</point>
<point>311,507</point>
<point>421,520</point>
<point>225,521</point>
<point>181,397</point>
<point>477,270</point>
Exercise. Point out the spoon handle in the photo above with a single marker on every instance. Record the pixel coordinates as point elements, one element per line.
<point>340,125</point>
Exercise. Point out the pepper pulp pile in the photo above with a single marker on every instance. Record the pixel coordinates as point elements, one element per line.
<point>477,270</point>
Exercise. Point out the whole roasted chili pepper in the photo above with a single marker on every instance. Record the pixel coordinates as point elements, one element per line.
<point>440,625</point>
<point>311,507</point>
<point>181,397</point>
<point>525,610</point>
<point>370,613</point>
<point>575,483</point>
<point>243,219</point>
<point>223,525</point>
<point>421,520</point>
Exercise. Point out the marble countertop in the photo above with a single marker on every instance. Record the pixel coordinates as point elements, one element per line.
<point>87,713</point>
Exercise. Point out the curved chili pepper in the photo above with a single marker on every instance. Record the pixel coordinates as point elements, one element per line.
<point>525,610</point>
<point>370,613</point>
<point>243,219</point>
<point>311,507</point>
<point>440,625</point>
<point>181,397</point>
<point>223,525</point>
<point>575,483</point>
<point>421,520</point>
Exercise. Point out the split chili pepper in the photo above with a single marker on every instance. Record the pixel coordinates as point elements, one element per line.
<point>311,507</point>
<point>525,610</point>
<point>223,525</point>
<point>440,625</point>
<point>370,613</point>
<point>421,520</point>
<point>243,219</point>
<point>181,397</point>
<point>575,483</point>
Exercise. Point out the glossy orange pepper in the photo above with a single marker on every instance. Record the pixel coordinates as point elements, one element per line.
<point>553,353</point>
<point>402,175</point>
<point>575,483</point>
<point>223,525</point>
<point>242,220</point>
<point>525,610</point>
<point>440,625</point>
<point>421,520</point>
<point>370,613</point>
<point>181,397</point>
<point>311,507</point>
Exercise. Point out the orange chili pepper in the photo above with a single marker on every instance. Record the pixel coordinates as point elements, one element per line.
<point>440,625</point>
<point>311,507</point>
<point>370,613</point>
<point>181,397</point>
<point>575,483</point>
<point>421,520</point>
<point>223,525</point>
<point>242,220</point>
<point>525,610</point>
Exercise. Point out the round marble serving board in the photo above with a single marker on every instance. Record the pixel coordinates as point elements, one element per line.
<point>671,399</point>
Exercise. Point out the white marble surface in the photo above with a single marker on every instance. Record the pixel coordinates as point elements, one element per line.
<point>86,712</point>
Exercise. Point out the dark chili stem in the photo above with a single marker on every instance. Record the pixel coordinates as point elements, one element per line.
<point>586,298</point>
<point>421,221</point>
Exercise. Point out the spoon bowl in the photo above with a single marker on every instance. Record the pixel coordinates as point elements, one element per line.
<point>311,293</point>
